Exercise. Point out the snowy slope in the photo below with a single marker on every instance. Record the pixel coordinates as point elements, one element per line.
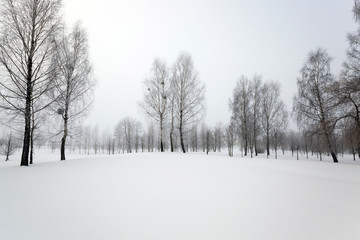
<point>180,196</point>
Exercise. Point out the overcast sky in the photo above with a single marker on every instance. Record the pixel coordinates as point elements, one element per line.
<point>226,39</point>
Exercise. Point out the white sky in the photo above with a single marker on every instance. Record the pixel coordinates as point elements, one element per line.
<point>226,39</point>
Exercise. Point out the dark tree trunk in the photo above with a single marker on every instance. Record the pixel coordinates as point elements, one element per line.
<point>31,146</point>
<point>245,145</point>
<point>267,140</point>
<point>62,150</point>
<point>63,139</point>
<point>333,155</point>
<point>161,136</point>
<point>181,133</point>
<point>26,141</point>
<point>171,141</point>
<point>255,146</point>
<point>182,141</point>
<point>27,131</point>
<point>32,135</point>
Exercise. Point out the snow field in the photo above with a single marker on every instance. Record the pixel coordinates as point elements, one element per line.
<point>180,196</point>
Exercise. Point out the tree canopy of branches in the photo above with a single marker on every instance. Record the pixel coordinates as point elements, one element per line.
<point>245,107</point>
<point>73,87</point>
<point>241,110</point>
<point>127,133</point>
<point>26,48</point>
<point>348,87</point>
<point>189,94</point>
<point>273,110</point>
<point>315,104</point>
<point>155,102</point>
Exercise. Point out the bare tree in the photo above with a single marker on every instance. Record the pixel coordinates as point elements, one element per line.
<point>108,141</point>
<point>95,139</point>
<point>203,131</point>
<point>245,106</point>
<point>127,131</point>
<point>348,87</point>
<point>137,135</point>
<point>352,138</point>
<point>272,109</point>
<point>356,10</point>
<point>218,134</point>
<point>155,102</point>
<point>9,146</point>
<point>255,108</point>
<point>150,137</point>
<point>26,48</point>
<point>74,83</point>
<point>87,139</point>
<point>194,139</point>
<point>279,128</point>
<point>241,110</point>
<point>315,104</point>
<point>209,140</point>
<point>172,120</point>
<point>188,94</point>
<point>230,138</point>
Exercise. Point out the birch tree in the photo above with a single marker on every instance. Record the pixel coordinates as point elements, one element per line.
<point>241,110</point>
<point>155,102</point>
<point>230,138</point>
<point>315,104</point>
<point>189,95</point>
<point>255,111</point>
<point>26,47</point>
<point>272,108</point>
<point>127,131</point>
<point>73,91</point>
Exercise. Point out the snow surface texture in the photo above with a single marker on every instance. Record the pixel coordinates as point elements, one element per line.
<point>179,196</point>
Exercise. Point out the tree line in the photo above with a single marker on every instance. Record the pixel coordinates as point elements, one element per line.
<point>48,75</point>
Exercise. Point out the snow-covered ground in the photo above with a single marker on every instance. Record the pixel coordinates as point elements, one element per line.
<point>179,196</point>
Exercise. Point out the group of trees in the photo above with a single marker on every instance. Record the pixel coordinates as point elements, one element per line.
<point>257,113</point>
<point>45,70</point>
<point>327,106</point>
<point>174,98</point>
<point>46,75</point>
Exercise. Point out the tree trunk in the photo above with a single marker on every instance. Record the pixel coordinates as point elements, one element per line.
<point>353,153</point>
<point>161,136</point>
<point>245,145</point>
<point>181,133</point>
<point>297,154</point>
<point>26,141</point>
<point>62,151</point>
<point>267,140</point>
<point>334,157</point>
<point>255,133</point>
<point>182,141</point>
<point>32,134</point>
<point>63,139</point>
<point>32,145</point>
<point>171,141</point>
